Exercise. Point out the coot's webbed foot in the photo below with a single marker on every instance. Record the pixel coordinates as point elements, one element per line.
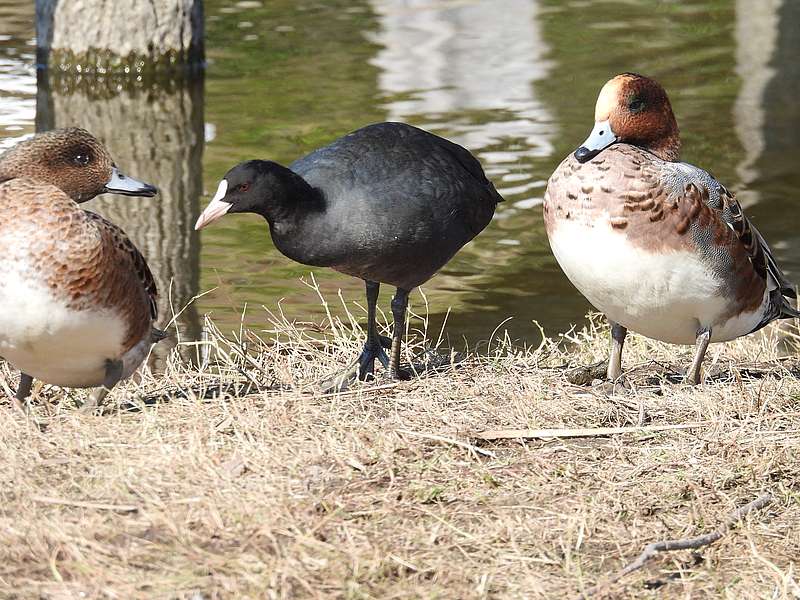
<point>364,366</point>
<point>366,362</point>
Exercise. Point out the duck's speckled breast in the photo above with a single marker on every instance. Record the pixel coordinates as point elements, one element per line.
<point>644,241</point>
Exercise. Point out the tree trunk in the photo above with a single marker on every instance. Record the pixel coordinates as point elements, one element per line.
<point>121,69</point>
<point>155,134</point>
<point>127,36</point>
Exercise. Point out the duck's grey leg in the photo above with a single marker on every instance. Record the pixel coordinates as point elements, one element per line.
<point>113,375</point>
<point>618,333</point>
<point>23,391</point>
<point>399,305</point>
<point>701,345</point>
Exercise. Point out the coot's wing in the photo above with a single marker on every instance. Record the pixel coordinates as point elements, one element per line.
<point>470,164</point>
<point>380,151</point>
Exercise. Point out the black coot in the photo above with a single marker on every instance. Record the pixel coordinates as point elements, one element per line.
<point>388,203</point>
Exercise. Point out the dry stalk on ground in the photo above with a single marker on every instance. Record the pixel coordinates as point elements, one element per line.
<point>693,543</point>
<point>231,476</point>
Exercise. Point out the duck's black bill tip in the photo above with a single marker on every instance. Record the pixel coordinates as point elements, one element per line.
<point>145,190</point>
<point>583,154</point>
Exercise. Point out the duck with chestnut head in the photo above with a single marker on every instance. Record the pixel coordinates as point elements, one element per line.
<point>658,245</point>
<point>77,300</point>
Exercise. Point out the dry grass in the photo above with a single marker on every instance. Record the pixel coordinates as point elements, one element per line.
<point>234,479</point>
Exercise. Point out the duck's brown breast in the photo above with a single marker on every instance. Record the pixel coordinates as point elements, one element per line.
<point>80,257</point>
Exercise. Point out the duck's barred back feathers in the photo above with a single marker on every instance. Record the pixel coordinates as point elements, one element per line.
<point>734,216</point>
<point>126,248</point>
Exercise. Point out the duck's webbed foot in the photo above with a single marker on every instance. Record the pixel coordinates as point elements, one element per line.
<point>609,386</point>
<point>95,399</point>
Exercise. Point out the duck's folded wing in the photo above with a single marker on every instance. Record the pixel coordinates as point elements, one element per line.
<point>727,212</point>
<point>761,257</point>
<point>757,248</point>
<point>127,251</point>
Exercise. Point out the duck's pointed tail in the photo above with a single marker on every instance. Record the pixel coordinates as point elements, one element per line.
<point>788,311</point>
<point>156,335</point>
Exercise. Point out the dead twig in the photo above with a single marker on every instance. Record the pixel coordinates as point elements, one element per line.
<point>651,550</point>
<point>512,434</point>
<point>474,450</point>
<point>357,390</point>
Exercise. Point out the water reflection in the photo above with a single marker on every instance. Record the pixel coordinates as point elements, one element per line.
<point>756,39</point>
<point>155,134</point>
<point>513,80</point>
<point>17,84</point>
<point>767,118</point>
<point>452,63</point>
<point>467,70</point>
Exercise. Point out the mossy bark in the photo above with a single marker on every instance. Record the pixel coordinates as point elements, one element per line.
<point>155,134</point>
<point>125,36</point>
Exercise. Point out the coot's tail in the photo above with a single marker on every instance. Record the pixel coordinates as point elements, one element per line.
<point>495,194</point>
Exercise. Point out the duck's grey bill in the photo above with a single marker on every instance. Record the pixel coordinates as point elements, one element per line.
<point>601,137</point>
<point>128,186</point>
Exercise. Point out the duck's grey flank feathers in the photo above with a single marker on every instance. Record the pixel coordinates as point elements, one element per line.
<point>678,175</point>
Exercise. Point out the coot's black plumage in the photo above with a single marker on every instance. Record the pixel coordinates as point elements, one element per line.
<point>388,203</point>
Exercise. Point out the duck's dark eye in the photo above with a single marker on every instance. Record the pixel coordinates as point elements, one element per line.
<point>81,159</point>
<point>243,187</point>
<point>636,105</point>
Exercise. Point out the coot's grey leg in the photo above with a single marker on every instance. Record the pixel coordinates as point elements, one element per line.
<point>618,333</point>
<point>23,391</point>
<point>399,305</point>
<point>373,336</point>
<point>701,345</point>
<point>113,375</point>
<point>374,346</point>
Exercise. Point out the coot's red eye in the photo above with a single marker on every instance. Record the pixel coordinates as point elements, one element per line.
<point>243,187</point>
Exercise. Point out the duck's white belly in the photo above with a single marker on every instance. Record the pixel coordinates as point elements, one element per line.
<point>665,296</point>
<point>42,337</point>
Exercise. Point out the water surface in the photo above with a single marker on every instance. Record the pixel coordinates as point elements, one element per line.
<point>513,80</point>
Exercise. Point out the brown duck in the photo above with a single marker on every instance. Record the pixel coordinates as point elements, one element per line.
<point>659,246</point>
<point>77,300</point>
